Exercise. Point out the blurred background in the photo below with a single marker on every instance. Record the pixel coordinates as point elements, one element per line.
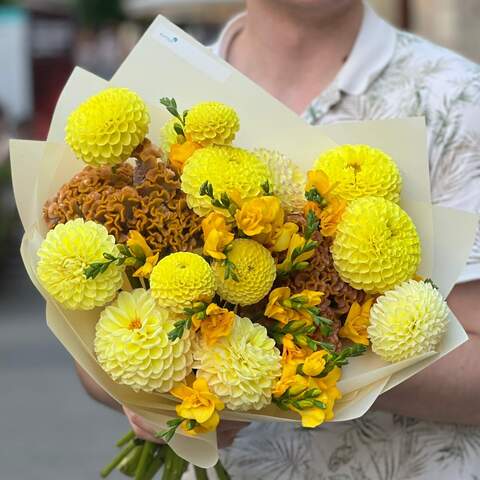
<point>49,428</point>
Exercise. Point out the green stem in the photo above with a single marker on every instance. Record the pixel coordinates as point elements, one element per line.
<point>124,440</point>
<point>145,459</point>
<point>128,466</point>
<point>113,464</point>
<point>179,467</point>
<point>200,473</point>
<point>169,456</point>
<point>221,472</point>
<point>156,463</point>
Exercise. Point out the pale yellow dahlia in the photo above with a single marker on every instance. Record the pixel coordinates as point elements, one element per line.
<point>360,171</point>
<point>254,268</point>
<point>228,169</point>
<point>132,345</point>
<point>181,279</point>
<point>408,321</point>
<point>64,255</point>
<point>288,180</point>
<point>242,368</point>
<point>168,135</point>
<point>106,128</point>
<point>376,246</point>
<point>211,123</point>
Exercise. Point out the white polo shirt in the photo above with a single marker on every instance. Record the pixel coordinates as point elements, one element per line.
<point>388,74</point>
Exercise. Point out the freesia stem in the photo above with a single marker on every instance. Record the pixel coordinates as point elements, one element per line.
<point>124,440</point>
<point>200,473</point>
<point>221,472</point>
<point>156,463</point>
<point>113,464</point>
<point>145,459</point>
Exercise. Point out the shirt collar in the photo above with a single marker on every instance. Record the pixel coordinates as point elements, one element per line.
<point>371,53</point>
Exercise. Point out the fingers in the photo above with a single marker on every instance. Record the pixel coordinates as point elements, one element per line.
<point>227,431</point>
<point>141,427</point>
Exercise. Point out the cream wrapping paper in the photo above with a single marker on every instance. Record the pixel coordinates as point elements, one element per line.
<point>167,62</point>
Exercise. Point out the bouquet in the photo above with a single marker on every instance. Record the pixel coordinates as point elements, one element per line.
<point>197,276</point>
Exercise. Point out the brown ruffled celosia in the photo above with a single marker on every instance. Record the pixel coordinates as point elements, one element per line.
<point>146,198</point>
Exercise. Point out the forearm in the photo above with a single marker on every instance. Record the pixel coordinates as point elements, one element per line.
<point>448,391</point>
<point>95,391</point>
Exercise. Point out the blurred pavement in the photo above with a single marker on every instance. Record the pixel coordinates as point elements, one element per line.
<point>49,428</point>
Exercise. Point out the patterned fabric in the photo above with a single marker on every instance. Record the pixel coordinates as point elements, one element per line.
<point>389,74</point>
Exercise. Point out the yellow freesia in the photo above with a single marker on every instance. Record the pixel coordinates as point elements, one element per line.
<point>315,363</point>
<point>146,269</point>
<point>181,152</point>
<point>296,241</point>
<point>260,217</point>
<point>357,322</point>
<point>319,180</point>
<point>217,235</point>
<point>281,237</point>
<point>312,206</point>
<point>138,245</point>
<point>199,404</point>
<point>218,323</point>
<point>328,385</point>
<point>292,353</point>
<point>331,215</point>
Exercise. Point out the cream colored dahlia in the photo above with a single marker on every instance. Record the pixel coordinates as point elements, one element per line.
<point>211,123</point>
<point>242,368</point>
<point>408,321</point>
<point>228,169</point>
<point>376,245</point>
<point>106,128</point>
<point>181,279</point>
<point>132,345</point>
<point>64,255</point>
<point>361,171</point>
<point>255,271</point>
<point>288,180</point>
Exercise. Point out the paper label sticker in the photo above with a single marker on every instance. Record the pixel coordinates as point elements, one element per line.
<point>191,53</point>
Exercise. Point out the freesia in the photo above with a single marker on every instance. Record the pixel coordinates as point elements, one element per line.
<point>357,322</point>
<point>217,235</point>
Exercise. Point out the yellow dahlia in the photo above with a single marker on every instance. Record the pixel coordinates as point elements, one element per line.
<point>211,123</point>
<point>376,245</point>
<point>228,169</point>
<point>254,268</point>
<point>106,128</point>
<point>242,368</point>
<point>288,180</point>
<point>360,171</point>
<point>66,252</point>
<point>408,321</point>
<point>168,135</point>
<point>181,279</point>
<point>132,346</point>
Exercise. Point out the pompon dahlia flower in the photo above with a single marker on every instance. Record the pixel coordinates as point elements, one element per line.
<point>106,128</point>
<point>254,268</point>
<point>64,255</point>
<point>132,344</point>
<point>288,180</point>
<point>376,245</point>
<point>181,279</point>
<point>357,171</point>
<point>211,123</point>
<point>242,368</point>
<point>408,321</point>
<point>228,169</point>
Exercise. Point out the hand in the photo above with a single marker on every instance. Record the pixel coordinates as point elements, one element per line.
<point>226,431</point>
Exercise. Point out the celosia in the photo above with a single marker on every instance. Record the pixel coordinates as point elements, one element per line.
<point>217,235</point>
<point>356,171</point>
<point>211,123</point>
<point>65,254</point>
<point>408,321</point>
<point>181,279</point>
<point>357,322</point>
<point>106,128</point>
<point>241,368</point>
<point>288,180</point>
<point>376,245</point>
<point>228,169</point>
<point>254,269</point>
<point>132,346</point>
<point>198,404</point>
